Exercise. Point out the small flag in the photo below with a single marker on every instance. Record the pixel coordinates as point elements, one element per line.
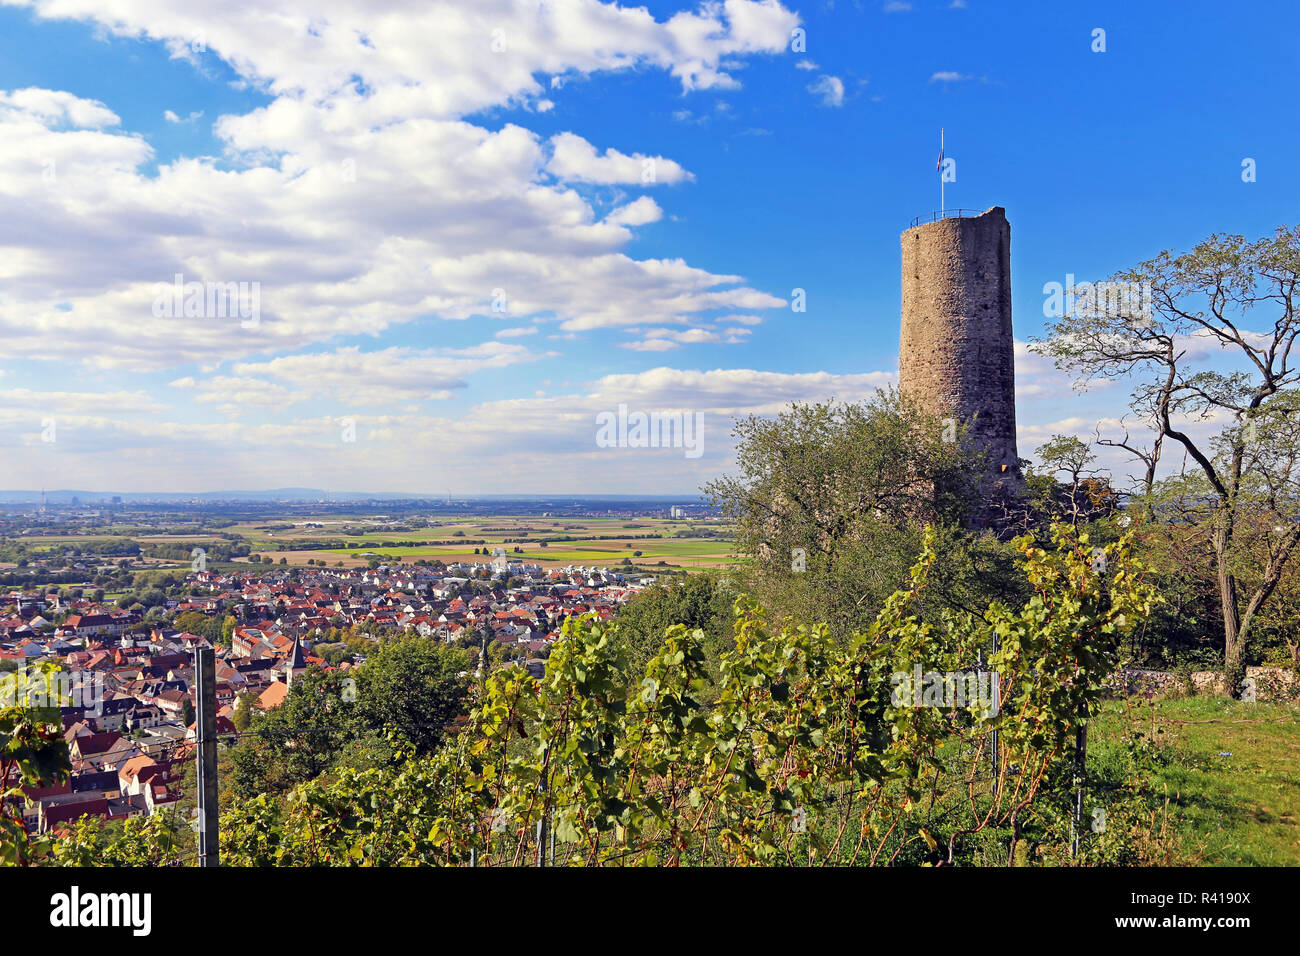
<point>939,165</point>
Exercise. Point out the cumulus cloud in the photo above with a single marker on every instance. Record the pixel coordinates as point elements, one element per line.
<point>664,340</point>
<point>1038,377</point>
<point>365,200</point>
<point>573,159</point>
<point>636,213</point>
<point>737,391</point>
<point>80,403</point>
<point>365,195</point>
<point>351,376</point>
<point>551,438</point>
<point>235,395</point>
<point>830,89</point>
<point>434,59</point>
<point>55,107</point>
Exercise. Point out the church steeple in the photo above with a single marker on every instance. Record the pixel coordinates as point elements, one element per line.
<point>295,664</point>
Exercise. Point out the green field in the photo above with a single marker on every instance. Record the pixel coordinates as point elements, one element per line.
<point>684,553</point>
<point>1232,774</point>
<point>598,541</point>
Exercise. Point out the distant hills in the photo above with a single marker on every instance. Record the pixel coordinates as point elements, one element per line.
<point>64,496</point>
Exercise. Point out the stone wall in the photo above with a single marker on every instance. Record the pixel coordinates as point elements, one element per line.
<point>1271,684</point>
<point>956,348</point>
<point>1133,682</point>
<point>1274,683</point>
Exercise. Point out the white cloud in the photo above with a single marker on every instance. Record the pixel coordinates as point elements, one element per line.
<point>235,395</point>
<point>830,89</point>
<point>359,198</point>
<point>444,59</point>
<point>55,107</point>
<point>347,234</point>
<point>575,160</point>
<point>361,205</point>
<point>1038,377</point>
<point>664,340</point>
<point>80,403</point>
<point>652,345</point>
<point>351,377</point>
<point>949,76</point>
<point>736,391</point>
<point>551,439</point>
<point>636,213</point>
<point>385,376</point>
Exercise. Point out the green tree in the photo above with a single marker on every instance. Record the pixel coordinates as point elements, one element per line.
<point>414,687</point>
<point>1241,296</point>
<point>829,503</point>
<point>1084,495</point>
<point>201,624</point>
<point>699,601</point>
<point>245,709</point>
<point>295,742</point>
<point>142,841</point>
<point>32,753</point>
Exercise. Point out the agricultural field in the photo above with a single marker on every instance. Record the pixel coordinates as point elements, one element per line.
<point>357,539</point>
<point>595,541</point>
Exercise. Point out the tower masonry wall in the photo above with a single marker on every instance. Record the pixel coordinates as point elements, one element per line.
<point>956,349</point>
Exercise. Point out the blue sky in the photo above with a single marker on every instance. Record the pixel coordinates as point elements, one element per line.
<point>382,175</point>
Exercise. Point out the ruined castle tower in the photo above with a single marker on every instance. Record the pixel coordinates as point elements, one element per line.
<point>956,352</point>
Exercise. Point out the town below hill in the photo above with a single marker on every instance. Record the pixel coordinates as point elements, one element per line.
<point>129,703</point>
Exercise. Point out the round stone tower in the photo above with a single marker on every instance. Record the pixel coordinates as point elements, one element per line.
<point>956,352</point>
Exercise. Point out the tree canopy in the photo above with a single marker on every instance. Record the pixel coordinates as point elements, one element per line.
<point>1207,338</point>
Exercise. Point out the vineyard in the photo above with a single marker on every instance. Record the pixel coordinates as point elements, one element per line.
<point>792,748</point>
<point>799,750</point>
<point>803,751</point>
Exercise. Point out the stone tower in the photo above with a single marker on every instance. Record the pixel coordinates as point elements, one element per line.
<point>956,352</point>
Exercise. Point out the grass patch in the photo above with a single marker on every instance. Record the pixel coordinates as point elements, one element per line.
<point>1232,777</point>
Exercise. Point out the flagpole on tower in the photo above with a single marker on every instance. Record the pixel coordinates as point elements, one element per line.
<point>942,206</point>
